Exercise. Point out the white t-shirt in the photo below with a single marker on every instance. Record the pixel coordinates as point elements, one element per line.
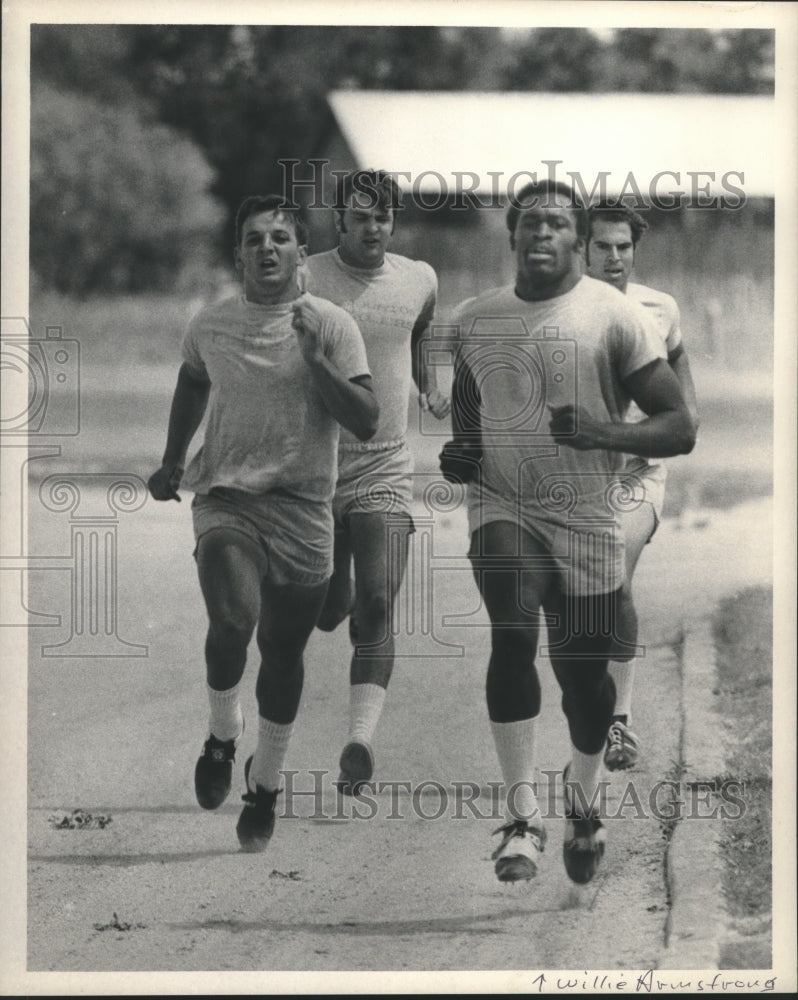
<point>268,428</point>
<point>386,302</point>
<point>662,314</point>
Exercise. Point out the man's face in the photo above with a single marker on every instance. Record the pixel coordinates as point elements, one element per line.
<point>364,232</point>
<point>268,257</point>
<point>611,253</point>
<point>546,241</point>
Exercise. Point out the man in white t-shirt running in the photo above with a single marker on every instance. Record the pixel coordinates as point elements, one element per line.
<point>278,371</point>
<point>544,373</point>
<point>613,234</point>
<point>392,298</point>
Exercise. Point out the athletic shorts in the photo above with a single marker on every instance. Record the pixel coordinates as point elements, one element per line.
<point>585,547</point>
<point>373,478</point>
<point>296,536</point>
<point>648,484</point>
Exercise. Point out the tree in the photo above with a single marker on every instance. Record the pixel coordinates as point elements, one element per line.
<point>555,59</point>
<point>248,97</point>
<point>643,60</point>
<point>117,203</point>
<point>252,96</point>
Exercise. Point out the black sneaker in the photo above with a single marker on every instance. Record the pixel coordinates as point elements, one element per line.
<point>584,843</point>
<point>357,767</point>
<point>213,774</point>
<point>256,823</point>
<point>583,847</point>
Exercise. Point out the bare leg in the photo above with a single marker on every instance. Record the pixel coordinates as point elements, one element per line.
<point>513,592</point>
<point>379,546</point>
<point>229,566</point>
<point>340,595</point>
<point>289,616</point>
<point>623,747</point>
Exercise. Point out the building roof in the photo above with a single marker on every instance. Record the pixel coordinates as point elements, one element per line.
<point>498,135</point>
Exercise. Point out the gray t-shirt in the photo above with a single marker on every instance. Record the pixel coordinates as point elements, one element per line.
<point>386,302</point>
<point>268,428</point>
<point>528,356</point>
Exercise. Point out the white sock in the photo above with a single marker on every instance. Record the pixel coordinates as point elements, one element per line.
<point>624,676</point>
<point>515,747</point>
<point>585,771</point>
<point>365,709</point>
<point>226,721</point>
<point>273,740</point>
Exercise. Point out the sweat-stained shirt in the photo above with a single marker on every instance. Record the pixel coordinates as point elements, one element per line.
<point>268,428</point>
<point>386,302</point>
<point>526,357</point>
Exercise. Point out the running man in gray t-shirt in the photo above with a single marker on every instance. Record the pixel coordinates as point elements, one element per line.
<point>278,372</point>
<point>553,361</point>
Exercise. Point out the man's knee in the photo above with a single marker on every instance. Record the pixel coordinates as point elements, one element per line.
<point>374,608</point>
<point>584,681</point>
<point>231,626</point>
<point>514,644</point>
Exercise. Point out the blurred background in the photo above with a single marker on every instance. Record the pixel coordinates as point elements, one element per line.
<point>145,138</point>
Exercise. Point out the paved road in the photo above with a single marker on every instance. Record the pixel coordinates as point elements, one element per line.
<point>396,891</point>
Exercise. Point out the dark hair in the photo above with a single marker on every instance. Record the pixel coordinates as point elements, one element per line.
<point>378,186</point>
<point>608,211</point>
<point>257,203</point>
<point>533,193</point>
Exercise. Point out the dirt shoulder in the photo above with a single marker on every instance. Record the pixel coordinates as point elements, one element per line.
<point>742,628</point>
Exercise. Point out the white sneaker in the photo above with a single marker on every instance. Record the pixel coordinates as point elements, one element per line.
<point>518,855</point>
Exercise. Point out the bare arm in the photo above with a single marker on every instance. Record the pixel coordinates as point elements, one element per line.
<point>668,429</point>
<point>680,364</point>
<point>460,459</point>
<point>188,407</point>
<point>350,401</point>
<point>424,374</point>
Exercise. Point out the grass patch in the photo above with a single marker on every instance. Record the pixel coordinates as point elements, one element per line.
<point>118,331</point>
<point>743,639</point>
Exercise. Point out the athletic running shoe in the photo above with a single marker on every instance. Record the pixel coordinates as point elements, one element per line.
<point>213,774</point>
<point>584,843</point>
<point>583,847</point>
<point>357,766</point>
<point>623,748</point>
<point>518,855</point>
<point>256,823</point>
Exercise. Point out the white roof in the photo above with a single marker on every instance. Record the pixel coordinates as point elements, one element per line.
<point>429,133</point>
